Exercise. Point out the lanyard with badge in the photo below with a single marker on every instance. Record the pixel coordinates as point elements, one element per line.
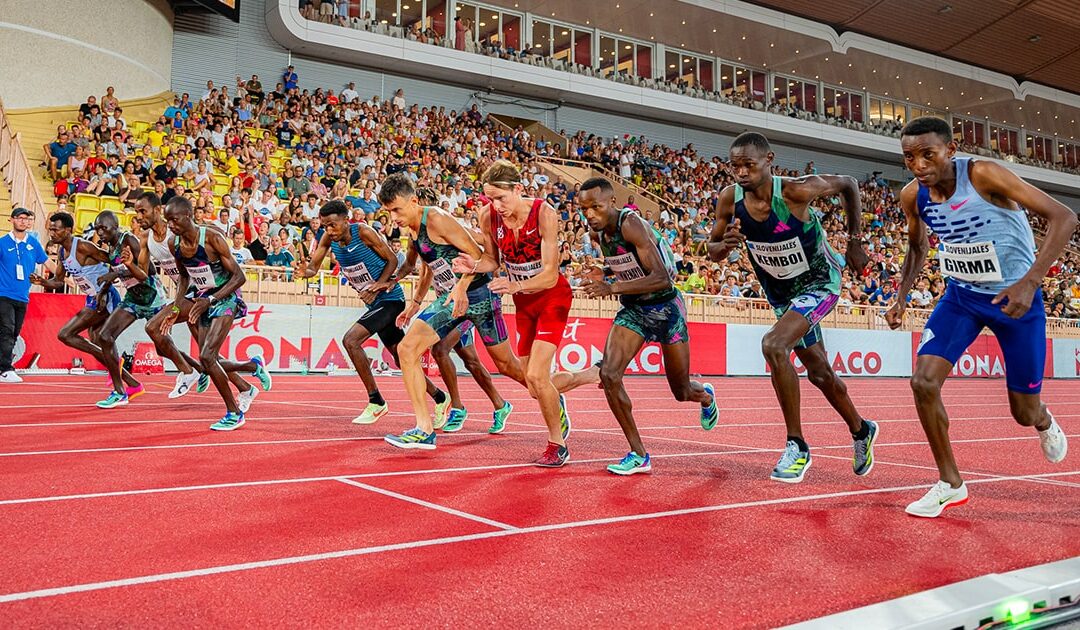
<point>20,274</point>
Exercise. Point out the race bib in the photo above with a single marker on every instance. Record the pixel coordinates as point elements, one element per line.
<point>169,268</point>
<point>443,276</point>
<point>84,284</point>
<point>625,267</point>
<point>782,261</point>
<point>358,276</point>
<point>125,276</point>
<point>970,262</point>
<point>202,277</point>
<point>523,271</point>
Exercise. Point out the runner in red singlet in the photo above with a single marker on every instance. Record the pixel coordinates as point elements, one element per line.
<point>522,235</point>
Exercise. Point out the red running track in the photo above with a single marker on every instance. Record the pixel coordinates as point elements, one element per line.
<point>141,516</point>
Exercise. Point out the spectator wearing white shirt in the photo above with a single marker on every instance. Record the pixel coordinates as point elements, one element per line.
<point>399,99</point>
<point>350,94</point>
<point>239,249</point>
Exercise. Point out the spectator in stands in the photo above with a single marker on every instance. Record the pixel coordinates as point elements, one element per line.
<point>349,94</point>
<point>84,109</point>
<point>101,183</point>
<point>255,90</point>
<point>57,154</point>
<point>399,99</point>
<point>109,102</point>
<point>280,258</point>
<point>239,249</point>
<point>290,79</point>
<point>298,184</point>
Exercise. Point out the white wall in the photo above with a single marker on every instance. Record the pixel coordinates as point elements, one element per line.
<point>57,53</point>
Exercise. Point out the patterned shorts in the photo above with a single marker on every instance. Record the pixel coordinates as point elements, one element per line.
<point>663,323</point>
<point>485,313</point>
<point>232,306</point>
<point>144,301</point>
<point>814,305</point>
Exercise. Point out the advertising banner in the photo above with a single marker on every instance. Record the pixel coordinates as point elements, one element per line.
<point>983,359</point>
<point>1066,358</point>
<point>850,352</point>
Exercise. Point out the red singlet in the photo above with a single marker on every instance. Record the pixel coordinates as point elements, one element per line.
<point>541,315</point>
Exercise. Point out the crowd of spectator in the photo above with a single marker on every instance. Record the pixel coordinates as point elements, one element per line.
<point>464,38</point>
<point>340,145</point>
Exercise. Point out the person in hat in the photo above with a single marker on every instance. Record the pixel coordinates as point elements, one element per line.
<point>20,254</point>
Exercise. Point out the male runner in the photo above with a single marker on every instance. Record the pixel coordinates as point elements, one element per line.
<point>143,297</point>
<point>652,311</point>
<point>987,252</point>
<point>522,234</point>
<point>368,264</point>
<point>86,264</point>
<point>206,263</point>
<point>800,275</point>
<point>159,244</point>
<point>440,239</point>
<point>460,340</point>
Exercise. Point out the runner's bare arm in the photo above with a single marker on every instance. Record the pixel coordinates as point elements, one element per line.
<point>378,244</point>
<point>410,263</point>
<point>724,238</point>
<point>914,259</point>
<point>311,267</point>
<point>489,260</point>
<point>804,190</point>
<point>640,235</point>
<point>448,229</point>
<point>136,259</point>
<point>217,243</point>
<point>993,180</point>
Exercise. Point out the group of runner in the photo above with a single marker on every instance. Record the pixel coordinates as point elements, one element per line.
<point>976,208</point>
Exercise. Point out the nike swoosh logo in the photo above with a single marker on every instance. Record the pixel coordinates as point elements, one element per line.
<point>1034,385</point>
<point>957,206</point>
<point>530,232</point>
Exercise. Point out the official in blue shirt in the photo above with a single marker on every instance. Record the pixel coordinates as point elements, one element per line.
<point>20,254</point>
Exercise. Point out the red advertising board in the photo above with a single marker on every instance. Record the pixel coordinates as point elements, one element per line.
<point>45,316</point>
<point>983,359</point>
<point>584,338</point>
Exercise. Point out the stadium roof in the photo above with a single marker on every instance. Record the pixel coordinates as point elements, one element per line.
<point>1030,40</point>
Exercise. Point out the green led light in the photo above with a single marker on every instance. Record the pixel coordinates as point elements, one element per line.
<point>1019,610</point>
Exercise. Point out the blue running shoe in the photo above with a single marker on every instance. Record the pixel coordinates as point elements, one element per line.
<point>710,414</point>
<point>262,374</point>
<point>455,420</point>
<point>564,417</point>
<point>115,399</point>
<point>413,438</point>
<point>231,422</point>
<point>631,465</point>
<point>204,383</point>
<point>500,415</point>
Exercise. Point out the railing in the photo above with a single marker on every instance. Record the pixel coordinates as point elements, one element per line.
<point>535,128</point>
<point>612,175</point>
<point>280,285</point>
<point>17,173</point>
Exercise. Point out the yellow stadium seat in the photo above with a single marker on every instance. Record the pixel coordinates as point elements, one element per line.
<point>114,204</point>
<point>87,207</point>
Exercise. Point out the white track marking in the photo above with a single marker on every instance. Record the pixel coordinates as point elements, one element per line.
<point>436,542</point>
<point>373,475</point>
<point>427,504</point>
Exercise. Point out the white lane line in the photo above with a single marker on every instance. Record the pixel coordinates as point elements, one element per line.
<point>848,459</point>
<point>115,449</point>
<point>427,504</point>
<point>373,475</point>
<point>434,542</point>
